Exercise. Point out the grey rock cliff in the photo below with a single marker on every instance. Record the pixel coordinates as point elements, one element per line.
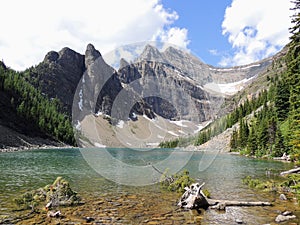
<point>173,70</point>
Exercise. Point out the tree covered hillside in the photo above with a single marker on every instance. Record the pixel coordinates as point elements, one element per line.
<point>28,105</point>
<point>275,128</point>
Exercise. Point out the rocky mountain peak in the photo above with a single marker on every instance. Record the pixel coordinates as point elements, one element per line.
<point>123,63</point>
<point>91,54</point>
<point>173,51</point>
<point>151,53</point>
<point>66,57</point>
<point>51,56</point>
<point>67,53</point>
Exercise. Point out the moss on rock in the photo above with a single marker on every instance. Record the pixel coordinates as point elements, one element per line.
<point>57,194</point>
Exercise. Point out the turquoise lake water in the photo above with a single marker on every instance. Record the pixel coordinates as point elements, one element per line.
<point>28,170</point>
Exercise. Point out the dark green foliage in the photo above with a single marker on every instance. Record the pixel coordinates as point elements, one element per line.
<point>176,182</point>
<point>280,147</point>
<point>32,106</point>
<point>290,184</point>
<point>282,103</point>
<point>169,144</point>
<point>57,194</point>
<point>243,133</point>
<point>234,140</point>
<point>223,123</point>
<point>252,142</point>
<point>276,127</point>
<point>178,142</point>
<point>293,79</point>
<point>253,183</point>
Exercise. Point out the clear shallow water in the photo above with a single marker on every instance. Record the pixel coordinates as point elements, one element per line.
<point>28,170</point>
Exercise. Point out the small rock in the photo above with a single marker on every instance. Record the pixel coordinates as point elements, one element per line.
<point>48,205</point>
<point>286,213</point>
<point>282,197</point>
<point>54,214</point>
<point>239,221</point>
<point>282,218</point>
<point>220,206</point>
<point>152,223</point>
<point>89,219</point>
<point>117,204</point>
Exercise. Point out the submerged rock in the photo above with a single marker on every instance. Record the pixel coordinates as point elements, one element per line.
<point>287,213</point>
<point>239,221</point>
<point>282,197</point>
<point>54,214</point>
<point>282,218</point>
<point>89,219</point>
<point>57,194</point>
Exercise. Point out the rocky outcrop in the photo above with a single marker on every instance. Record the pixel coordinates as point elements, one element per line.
<point>91,55</point>
<point>174,95</point>
<point>285,216</point>
<point>151,54</point>
<point>58,75</point>
<point>101,85</point>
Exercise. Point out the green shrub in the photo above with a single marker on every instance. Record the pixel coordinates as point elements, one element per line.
<point>176,182</point>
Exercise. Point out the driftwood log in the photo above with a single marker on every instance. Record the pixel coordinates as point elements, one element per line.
<point>221,204</point>
<point>295,170</point>
<point>194,198</point>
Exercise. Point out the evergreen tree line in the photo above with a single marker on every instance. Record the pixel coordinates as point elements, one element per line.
<point>31,105</point>
<point>276,128</point>
<point>220,125</point>
<point>261,134</point>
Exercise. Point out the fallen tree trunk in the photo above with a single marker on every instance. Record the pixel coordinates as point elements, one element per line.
<point>194,198</point>
<point>221,204</point>
<point>295,170</point>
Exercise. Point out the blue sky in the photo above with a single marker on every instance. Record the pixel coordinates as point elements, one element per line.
<point>233,32</point>
<point>220,32</point>
<point>203,19</point>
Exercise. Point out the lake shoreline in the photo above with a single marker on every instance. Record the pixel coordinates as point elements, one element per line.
<point>35,147</point>
<point>189,148</point>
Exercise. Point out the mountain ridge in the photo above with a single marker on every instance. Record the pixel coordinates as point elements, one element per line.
<point>58,75</point>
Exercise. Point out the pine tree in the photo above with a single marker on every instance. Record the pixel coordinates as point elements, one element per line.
<point>252,141</point>
<point>243,133</point>
<point>280,147</point>
<point>293,76</point>
<point>234,140</point>
<point>282,97</point>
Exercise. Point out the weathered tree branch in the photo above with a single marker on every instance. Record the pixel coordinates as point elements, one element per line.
<point>295,170</point>
<point>194,198</point>
<point>221,204</point>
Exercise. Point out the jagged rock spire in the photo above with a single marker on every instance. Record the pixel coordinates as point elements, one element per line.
<point>91,54</point>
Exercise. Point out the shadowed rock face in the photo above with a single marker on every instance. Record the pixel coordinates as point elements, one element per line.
<point>57,76</point>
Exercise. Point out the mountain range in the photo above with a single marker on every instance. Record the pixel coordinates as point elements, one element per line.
<point>169,86</point>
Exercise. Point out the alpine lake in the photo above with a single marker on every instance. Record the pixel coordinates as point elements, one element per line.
<point>107,202</point>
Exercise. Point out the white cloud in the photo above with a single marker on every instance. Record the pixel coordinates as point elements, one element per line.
<point>32,28</point>
<point>256,29</point>
<point>176,36</point>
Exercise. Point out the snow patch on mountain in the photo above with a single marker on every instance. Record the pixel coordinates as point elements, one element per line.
<point>229,88</point>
